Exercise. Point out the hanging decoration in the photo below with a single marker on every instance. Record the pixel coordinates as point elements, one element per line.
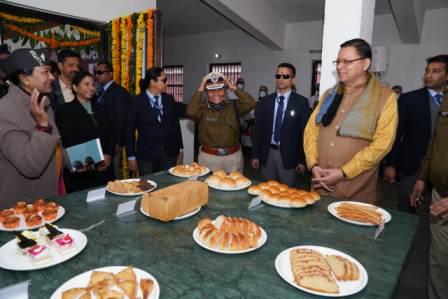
<point>140,33</point>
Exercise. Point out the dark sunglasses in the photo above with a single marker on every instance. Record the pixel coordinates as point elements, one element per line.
<point>101,72</point>
<point>279,76</point>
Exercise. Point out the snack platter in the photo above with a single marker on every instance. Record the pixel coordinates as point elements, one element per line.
<point>187,171</point>
<point>364,219</point>
<point>130,187</point>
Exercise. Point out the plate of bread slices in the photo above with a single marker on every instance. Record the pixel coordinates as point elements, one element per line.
<point>190,170</point>
<point>321,271</point>
<point>359,213</point>
<point>229,235</point>
<point>22,215</point>
<point>233,181</point>
<point>110,282</point>
<point>282,196</point>
<point>46,247</point>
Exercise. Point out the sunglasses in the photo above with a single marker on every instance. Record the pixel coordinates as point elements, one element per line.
<point>101,72</point>
<point>280,76</point>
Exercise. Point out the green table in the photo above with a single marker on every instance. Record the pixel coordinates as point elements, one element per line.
<point>186,270</point>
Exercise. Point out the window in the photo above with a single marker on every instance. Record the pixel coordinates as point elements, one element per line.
<point>231,70</point>
<point>175,83</point>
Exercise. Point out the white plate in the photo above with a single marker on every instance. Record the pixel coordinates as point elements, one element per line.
<point>346,288</point>
<point>282,205</point>
<point>263,239</point>
<point>82,280</point>
<point>188,176</point>
<point>23,226</point>
<point>136,193</point>
<point>11,259</point>
<point>194,212</point>
<point>234,189</point>
<point>332,209</point>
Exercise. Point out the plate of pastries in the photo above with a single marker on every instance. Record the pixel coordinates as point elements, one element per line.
<point>43,248</point>
<point>282,196</point>
<point>229,235</point>
<point>359,213</point>
<point>131,187</point>
<point>22,215</point>
<point>110,282</point>
<point>233,181</point>
<point>186,171</point>
<point>321,271</point>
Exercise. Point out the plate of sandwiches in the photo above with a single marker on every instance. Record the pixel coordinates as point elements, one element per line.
<point>110,282</point>
<point>282,196</point>
<point>229,235</point>
<point>321,271</point>
<point>22,215</point>
<point>359,213</point>
<point>46,247</point>
<point>130,187</point>
<point>190,170</point>
<point>233,181</point>
<point>181,217</point>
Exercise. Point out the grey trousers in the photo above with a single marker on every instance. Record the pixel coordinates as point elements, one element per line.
<point>274,170</point>
<point>407,183</point>
<point>438,257</point>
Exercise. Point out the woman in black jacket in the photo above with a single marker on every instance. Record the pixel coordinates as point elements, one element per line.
<point>80,121</point>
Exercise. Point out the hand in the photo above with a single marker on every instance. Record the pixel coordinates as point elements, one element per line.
<point>440,208</point>
<point>38,109</point>
<point>202,84</point>
<point>416,195</point>
<point>180,158</point>
<point>105,163</point>
<point>132,165</point>
<point>328,178</point>
<point>317,172</point>
<point>390,174</point>
<point>255,163</point>
<point>300,168</point>
<point>230,85</point>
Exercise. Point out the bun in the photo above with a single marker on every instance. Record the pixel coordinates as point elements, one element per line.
<point>213,180</point>
<point>241,181</point>
<point>254,190</point>
<point>234,180</point>
<point>235,175</point>
<point>227,183</point>
<point>221,173</point>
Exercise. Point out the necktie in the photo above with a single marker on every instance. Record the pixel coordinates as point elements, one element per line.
<point>158,109</point>
<point>100,96</point>
<point>437,99</point>
<point>278,119</point>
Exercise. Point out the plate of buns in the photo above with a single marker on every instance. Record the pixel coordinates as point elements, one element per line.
<point>22,215</point>
<point>233,181</point>
<point>186,171</point>
<point>321,271</point>
<point>49,246</point>
<point>282,196</point>
<point>130,187</point>
<point>229,235</point>
<point>110,282</point>
<point>359,213</point>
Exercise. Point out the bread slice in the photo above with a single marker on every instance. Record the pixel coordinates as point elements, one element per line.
<point>74,293</point>
<point>319,283</point>
<point>342,268</point>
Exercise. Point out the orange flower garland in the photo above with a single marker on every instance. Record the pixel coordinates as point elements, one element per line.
<point>139,51</point>
<point>149,40</point>
<point>19,19</point>
<point>116,50</point>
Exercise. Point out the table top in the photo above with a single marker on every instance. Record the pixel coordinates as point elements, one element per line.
<point>186,270</point>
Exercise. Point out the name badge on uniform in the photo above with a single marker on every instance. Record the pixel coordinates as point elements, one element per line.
<point>292,113</point>
<point>443,113</point>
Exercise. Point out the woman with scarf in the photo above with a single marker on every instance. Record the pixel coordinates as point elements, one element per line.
<point>352,128</point>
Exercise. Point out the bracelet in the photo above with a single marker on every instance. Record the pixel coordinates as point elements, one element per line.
<point>48,129</point>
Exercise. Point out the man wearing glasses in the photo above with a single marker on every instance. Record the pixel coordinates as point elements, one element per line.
<point>159,145</point>
<point>352,128</point>
<point>280,119</point>
<point>116,100</point>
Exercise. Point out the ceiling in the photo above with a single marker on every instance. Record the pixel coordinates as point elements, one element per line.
<point>182,17</point>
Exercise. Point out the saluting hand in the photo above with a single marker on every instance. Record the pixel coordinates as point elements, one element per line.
<point>37,109</point>
<point>229,84</point>
<point>202,84</point>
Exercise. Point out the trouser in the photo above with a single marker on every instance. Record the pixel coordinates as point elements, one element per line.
<point>406,187</point>
<point>155,165</point>
<point>438,257</point>
<point>117,161</point>
<point>274,170</point>
<point>229,163</point>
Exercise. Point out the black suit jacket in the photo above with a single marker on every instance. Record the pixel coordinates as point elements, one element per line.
<point>117,101</point>
<point>153,137</point>
<point>413,133</point>
<point>56,96</point>
<point>291,138</point>
<point>76,126</point>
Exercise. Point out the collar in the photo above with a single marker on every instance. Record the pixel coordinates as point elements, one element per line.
<point>151,96</point>
<point>106,86</point>
<point>286,94</point>
<point>62,84</point>
<point>432,92</point>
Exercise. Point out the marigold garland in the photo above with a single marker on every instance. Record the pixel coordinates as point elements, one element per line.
<point>149,40</point>
<point>116,50</point>
<point>86,31</point>
<point>19,19</point>
<point>139,51</point>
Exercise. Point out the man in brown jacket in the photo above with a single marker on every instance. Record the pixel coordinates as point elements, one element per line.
<point>435,168</point>
<point>28,136</point>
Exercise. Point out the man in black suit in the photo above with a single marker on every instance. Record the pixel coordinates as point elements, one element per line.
<point>153,115</point>
<point>418,111</point>
<point>117,101</point>
<point>68,64</point>
<point>280,119</point>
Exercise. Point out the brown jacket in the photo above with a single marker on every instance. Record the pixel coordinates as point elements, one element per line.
<point>27,156</point>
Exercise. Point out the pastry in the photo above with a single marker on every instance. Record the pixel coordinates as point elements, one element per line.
<point>64,243</point>
<point>19,207</point>
<point>11,222</point>
<point>213,180</point>
<point>33,220</point>
<point>39,254</point>
<point>39,204</point>
<point>227,183</point>
<point>50,232</point>
<point>49,214</point>
<point>254,190</point>
<point>30,210</point>
<point>146,285</point>
<point>24,243</point>
<point>221,173</point>
<point>234,181</point>
<point>76,293</point>
<point>5,214</point>
<point>52,204</point>
<point>235,175</point>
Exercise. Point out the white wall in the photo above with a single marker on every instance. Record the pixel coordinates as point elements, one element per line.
<point>102,11</point>
<point>406,62</point>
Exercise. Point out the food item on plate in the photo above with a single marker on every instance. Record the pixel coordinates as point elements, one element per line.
<point>19,207</point>
<point>64,244</point>
<point>280,194</point>
<point>24,243</point>
<point>227,183</point>
<point>118,186</point>
<point>11,222</point>
<point>30,211</point>
<point>50,214</point>
<point>220,179</point>
<point>146,285</point>
<point>359,213</point>
<point>194,169</point>
<point>39,254</point>
<point>220,173</point>
<point>39,204</point>
<point>52,204</point>
<point>342,268</point>
<point>5,214</point>
<point>50,232</point>
<point>33,220</point>
<point>311,271</point>
<point>76,293</point>
<point>229,233</point>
